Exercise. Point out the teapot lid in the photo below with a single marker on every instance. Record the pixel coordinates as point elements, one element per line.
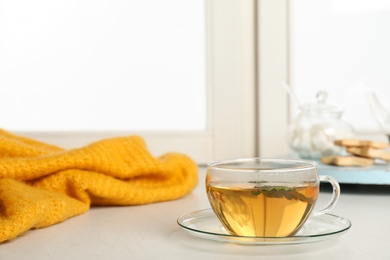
<point>321,107</point>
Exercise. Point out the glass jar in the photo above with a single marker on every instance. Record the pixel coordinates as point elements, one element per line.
<point>313,132</point>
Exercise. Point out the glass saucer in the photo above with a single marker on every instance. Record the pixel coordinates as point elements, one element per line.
<point>205,224</point>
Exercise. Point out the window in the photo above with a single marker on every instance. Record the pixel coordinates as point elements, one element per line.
<point>103,66</point>
<point>341,46</point>
<point>176,73</point>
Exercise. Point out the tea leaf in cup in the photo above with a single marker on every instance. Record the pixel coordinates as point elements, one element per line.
<point>280,192</point>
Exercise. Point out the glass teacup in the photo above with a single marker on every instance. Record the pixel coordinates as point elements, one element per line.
<point>265,197</point>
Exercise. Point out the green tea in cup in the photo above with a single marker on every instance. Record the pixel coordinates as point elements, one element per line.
<point>265,197</point>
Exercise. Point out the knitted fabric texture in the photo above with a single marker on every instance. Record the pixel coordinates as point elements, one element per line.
<point>41,184</point>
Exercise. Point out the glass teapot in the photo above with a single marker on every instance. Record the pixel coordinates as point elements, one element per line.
<point>313,132</point>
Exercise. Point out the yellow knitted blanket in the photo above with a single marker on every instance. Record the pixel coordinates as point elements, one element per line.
<point>41,184</point>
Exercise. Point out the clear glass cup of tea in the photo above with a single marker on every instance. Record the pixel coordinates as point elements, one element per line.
<point>266,197</point>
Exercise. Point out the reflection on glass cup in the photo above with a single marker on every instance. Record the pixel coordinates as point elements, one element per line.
<point>265,197</point>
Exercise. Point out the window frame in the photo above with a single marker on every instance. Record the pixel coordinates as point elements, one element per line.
<point>231,87</point>
<point>272,69</point>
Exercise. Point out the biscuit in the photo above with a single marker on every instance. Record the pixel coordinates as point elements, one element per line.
<point>361,143</point>
<point>347,160</point>
<point>369,152</point>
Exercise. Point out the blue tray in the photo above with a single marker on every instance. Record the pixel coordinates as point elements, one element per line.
<point>376,174</point>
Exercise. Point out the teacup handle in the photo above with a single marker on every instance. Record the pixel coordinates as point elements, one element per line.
<point>335,195</point>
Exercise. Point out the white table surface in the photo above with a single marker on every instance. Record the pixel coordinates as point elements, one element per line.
<point>151,232</point>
